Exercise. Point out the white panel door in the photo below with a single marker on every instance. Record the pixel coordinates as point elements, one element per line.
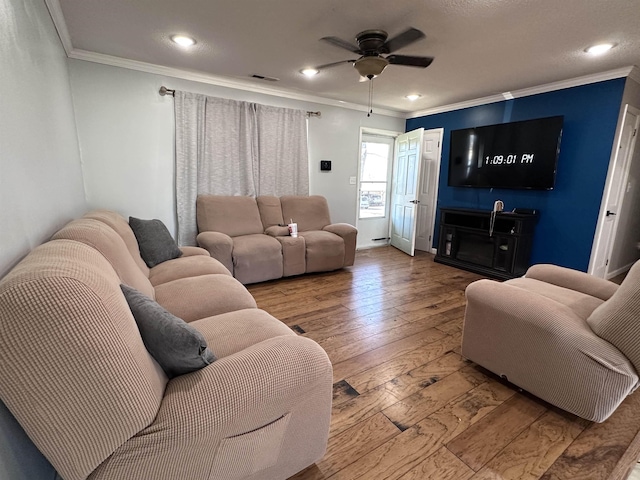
<point>615,194</point>
<point>428,190</point>
<point>404,193</point>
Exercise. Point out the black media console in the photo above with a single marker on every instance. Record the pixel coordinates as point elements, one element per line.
<point>465,241</point>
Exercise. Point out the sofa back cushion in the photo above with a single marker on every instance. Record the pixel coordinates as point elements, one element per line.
<point>104,239</point>
<point>310,213</point>
<point>121,226</point>
<point>231,215</point>
<point>618,319</point>
<point>75,372</point>
<point>270,211</point>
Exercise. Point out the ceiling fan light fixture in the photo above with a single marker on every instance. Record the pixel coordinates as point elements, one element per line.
<point>370,66</point>
<point>413,96</point>
<point>183,40</point>
<point>599,49</point>
<point>309,72</point>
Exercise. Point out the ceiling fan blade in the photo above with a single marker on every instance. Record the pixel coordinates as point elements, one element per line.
<point>402,40</point>
<point>338,42</point>
<point>334,64</point>
<point>410,61</point>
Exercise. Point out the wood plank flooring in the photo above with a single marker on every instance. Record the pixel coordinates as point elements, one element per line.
<point>408,406</point>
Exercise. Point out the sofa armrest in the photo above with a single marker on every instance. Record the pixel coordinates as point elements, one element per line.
<point>262,412</point>
<point>545,348</point>
<point>573,280</point>
<point>189,251</point>
<point>277,231</point>
<point>349,234</point>
<point>250,388</point>
<point>219,246</point>
<point>266,396</point>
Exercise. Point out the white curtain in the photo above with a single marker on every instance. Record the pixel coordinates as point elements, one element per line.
<point>226,147</point>
<point>283,166</point>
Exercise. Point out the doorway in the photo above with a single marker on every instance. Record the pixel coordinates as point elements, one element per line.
<point>415,189</point>
<point>615,246</point>
<point>374,179</point>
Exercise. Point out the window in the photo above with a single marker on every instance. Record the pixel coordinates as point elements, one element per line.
<point>374,177</point>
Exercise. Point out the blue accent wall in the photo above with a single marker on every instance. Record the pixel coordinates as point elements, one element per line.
<point>567,214</point>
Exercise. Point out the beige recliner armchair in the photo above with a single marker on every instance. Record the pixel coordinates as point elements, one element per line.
<point>563,335</point>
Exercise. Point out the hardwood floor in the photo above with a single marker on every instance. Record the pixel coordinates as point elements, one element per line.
<point>407,405</point>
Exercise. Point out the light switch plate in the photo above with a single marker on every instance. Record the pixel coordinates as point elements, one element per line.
<point>352,180</point>
<point>325,165</point>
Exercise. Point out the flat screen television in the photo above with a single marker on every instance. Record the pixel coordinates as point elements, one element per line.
<point>522,155</point>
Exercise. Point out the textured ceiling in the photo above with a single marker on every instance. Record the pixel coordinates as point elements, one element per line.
<point>481,47</point>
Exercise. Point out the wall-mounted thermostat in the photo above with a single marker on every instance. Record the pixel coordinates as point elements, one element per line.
<point>325,165</point>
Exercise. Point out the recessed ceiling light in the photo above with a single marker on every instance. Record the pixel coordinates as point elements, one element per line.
<point>599,49</point>
<point>309,72</point>
<point>413,97</point>
<point>183,40</point>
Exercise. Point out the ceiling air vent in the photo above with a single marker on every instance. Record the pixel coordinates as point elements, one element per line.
<point>268,79</point>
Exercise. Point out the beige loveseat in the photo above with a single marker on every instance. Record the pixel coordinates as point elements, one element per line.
<point>567,337</point>
<point>248,235</point>
<point>76,375</point>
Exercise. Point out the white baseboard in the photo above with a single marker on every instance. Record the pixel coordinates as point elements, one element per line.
<point>619,271</point>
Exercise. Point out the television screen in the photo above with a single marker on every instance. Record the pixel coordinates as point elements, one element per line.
<point>508,155</point>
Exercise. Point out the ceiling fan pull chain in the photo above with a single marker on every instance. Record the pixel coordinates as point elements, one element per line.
<point>370,97</point>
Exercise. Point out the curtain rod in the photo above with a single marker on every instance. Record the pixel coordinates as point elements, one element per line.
<point>168,91</point>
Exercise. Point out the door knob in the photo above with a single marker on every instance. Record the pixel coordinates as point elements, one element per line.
<point>414,201</point>
<point>609,212</point>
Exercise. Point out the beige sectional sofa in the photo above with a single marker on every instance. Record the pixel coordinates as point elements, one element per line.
<point>249,236</point>
<point>78,378</point>
<point>567,337</point>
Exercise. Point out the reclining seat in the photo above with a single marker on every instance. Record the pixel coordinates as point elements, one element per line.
<point>563,335</point>
<point>328,246</point>
<point>231,230</point>
<point>78,378</point>
<point>189,298</point>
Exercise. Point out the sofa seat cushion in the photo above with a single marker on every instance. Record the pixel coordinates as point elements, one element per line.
<point>325,251</point>
<point>184,267</point>
<point>581,304</point>
<point>198,297</point>
<point>256,258</point>
<point>188,251</point>
<point>232,332</point>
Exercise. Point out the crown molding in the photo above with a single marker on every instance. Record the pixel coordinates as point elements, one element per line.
<point>525,92</point>
<point>635,74</point>
<point>60,24</point>
<point>220,81</point>
<point>55,11</point>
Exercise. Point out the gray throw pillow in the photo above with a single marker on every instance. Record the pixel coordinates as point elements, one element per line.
<point>177,346</point>
<point>155,241</point>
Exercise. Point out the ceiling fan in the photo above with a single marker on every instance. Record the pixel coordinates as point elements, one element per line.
<point>372,44</point>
